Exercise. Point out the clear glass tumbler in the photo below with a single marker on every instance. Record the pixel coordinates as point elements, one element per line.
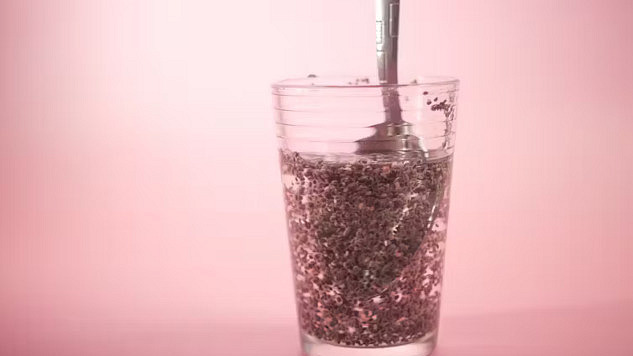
<point>367,230</point>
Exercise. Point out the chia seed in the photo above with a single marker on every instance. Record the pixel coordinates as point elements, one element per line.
<point>367,236</point>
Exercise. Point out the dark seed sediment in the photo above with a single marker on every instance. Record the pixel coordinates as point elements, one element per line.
<point>367,241</point>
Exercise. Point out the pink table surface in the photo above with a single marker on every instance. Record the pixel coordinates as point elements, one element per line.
<point>595,330</point>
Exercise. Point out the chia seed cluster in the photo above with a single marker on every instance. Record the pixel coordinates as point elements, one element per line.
<point>367,240</point>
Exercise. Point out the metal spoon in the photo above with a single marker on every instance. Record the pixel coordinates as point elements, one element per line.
<point>394,134</point>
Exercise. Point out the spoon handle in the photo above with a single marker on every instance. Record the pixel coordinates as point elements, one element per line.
<point>387,23</point>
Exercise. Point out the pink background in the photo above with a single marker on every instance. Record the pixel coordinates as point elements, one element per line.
<point>139,190</point>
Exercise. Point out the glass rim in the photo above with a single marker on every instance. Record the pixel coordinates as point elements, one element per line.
<point>362,82</point>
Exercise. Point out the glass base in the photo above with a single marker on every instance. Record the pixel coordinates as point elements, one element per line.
<point>420,347</point>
